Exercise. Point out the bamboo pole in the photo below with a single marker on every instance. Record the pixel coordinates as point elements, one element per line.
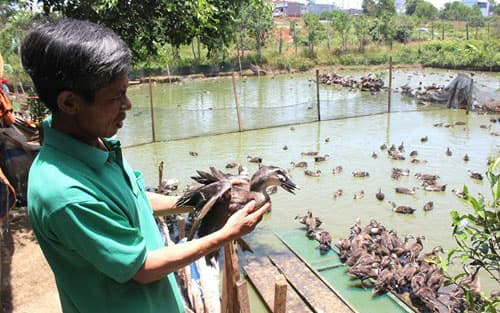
<point>181,226</point>
<point>152,109</point>
<point>390,86</point>
<point>237,103</point>
<point>242,291</point>
<point>317,95</point>
<point>280,297</point>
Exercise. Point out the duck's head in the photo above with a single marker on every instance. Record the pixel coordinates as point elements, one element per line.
<point>272,176</point>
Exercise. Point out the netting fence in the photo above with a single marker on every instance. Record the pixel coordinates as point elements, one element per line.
<point>208,107</point>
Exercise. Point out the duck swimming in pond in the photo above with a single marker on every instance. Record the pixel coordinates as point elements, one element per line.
<point>359,194</point>
<point>374,155</point>
<point>215,198</point>
<point>414,153</point>
<point>380,195</point>
<point>193,153</point>
<point>448,151</point>
<point>232,164</point>
<point>321,158</point>
<point>475,175</point>
<point>316,173</point>
<point>405,191</point>
<point>434,187</point>
<point>338,193</point>
<point>466,158</point>
<point>299,164</point>
<point>403,209</point>
<point>429,206</point>
<point>424,139</point>
<point>255,159</point>
<point>383,146</point>
<point>337,170</point>
<point>360,174</point>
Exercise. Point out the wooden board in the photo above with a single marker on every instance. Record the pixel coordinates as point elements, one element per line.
<point>308,285</point>
<point>264,276</point>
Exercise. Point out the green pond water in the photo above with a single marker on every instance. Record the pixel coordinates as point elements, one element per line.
<point>205,108</point>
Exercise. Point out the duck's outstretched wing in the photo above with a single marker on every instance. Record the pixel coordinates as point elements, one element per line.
<point>202,200</point>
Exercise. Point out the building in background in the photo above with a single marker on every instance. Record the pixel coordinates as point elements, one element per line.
<point>484,5</point>
<point>288,8</point>
<point>314,8</point>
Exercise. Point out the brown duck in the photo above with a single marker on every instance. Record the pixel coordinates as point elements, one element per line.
<point>215,198</point>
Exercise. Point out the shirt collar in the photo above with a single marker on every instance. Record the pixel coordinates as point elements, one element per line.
<point>92,156</point>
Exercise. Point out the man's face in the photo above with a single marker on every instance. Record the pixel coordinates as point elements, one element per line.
<point>105,115</point>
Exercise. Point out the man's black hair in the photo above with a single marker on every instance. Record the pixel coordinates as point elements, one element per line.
<point>72,55</point>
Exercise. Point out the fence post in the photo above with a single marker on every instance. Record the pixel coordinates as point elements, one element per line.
<point>390,86</point>
<point>469,98</point>
<point>152,109</point>
<point>317,95</point>
<point>280,297</point>
<point>242,291</point>
<point>237,103</point>
<point>168,73</point>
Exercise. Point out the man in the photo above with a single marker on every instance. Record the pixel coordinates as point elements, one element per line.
<point>89,210</point>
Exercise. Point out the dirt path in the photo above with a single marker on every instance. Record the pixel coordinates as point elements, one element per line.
<point>28,284</point>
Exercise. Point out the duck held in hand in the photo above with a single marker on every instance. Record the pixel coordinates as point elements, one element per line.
<point>215,198</point>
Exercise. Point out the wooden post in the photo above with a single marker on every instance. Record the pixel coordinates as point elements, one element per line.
<point>168,73</point>
<point>280,297</point>
<point>237,104</point>
<point>469,97</point>
<point>239,62</point>
<point>231,276</point>
<point>467,30</point>
<point>390,86</point>
<point>151,108</point>
<point>181,226</point>
<point>317,95</point>
<point>242,291</point>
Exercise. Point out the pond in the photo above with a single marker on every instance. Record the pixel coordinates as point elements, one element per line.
<point>351,144</point>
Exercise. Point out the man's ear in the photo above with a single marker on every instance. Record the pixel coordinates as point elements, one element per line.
<point>69,102</point>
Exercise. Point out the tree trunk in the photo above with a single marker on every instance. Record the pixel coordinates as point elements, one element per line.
<point>281,42</point>
<point>328,39</point>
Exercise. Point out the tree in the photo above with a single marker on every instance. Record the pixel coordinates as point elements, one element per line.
<point>256,19</point>
<point>426,11</point>
<point>295,37</point>
<point>456,11</point>
<point>361,27</point>
<point>313,27</point>
<point>341,21</point>
<point>385,8</point>
<point>410,6</point>
<point>369,7</point>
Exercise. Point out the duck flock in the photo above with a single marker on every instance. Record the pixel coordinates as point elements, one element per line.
<point>394,264</point>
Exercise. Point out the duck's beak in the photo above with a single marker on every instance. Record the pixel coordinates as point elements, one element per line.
<point>289,186</point>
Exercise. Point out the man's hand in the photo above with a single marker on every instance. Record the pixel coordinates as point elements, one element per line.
<point>245,220</point>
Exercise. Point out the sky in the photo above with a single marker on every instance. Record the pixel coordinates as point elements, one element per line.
<point>356,4</point>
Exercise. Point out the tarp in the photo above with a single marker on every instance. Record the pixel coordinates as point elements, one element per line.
<point>457,95</point>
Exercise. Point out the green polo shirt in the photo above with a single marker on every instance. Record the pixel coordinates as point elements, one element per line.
<point>95,225</point>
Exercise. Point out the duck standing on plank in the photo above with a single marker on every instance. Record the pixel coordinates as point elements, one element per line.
<point>215,196</point>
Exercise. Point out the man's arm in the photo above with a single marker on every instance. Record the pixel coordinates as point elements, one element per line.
<point>165,205</point>
<point>163,261</point>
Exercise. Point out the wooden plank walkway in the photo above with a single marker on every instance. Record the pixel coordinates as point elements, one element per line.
<point>264,276</point>
<point>308,285</point>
